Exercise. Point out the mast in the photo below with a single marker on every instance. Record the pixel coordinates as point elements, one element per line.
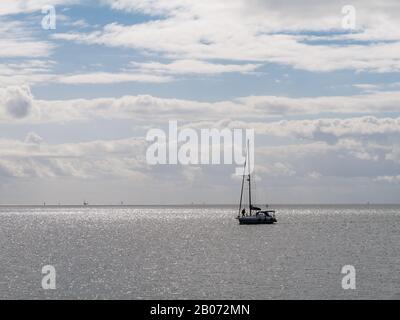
<point>241,191</point>
<point>249,179</point>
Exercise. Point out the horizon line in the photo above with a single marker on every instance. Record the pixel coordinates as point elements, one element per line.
<point>193,204</point>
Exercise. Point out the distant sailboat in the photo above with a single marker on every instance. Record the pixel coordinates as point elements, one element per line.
<point>255,214</point>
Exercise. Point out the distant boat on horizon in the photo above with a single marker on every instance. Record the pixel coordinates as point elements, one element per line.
<point>255,215</point>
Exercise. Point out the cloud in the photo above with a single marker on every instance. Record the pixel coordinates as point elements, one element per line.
<point>325,129</point>
<point>11,7</point>
<point>259,31</point>
<point>108,77</point>
<point>23,56</point>
<point>97,159</point>
<point>389,179</point>
<point>16,102</point>
<point>17,41</point>
<point>314,175</point>
<point>154,72</point>
<point>285,165</point>
<point>371,87</point>
<point>193,67</point>
<point>33,138</point>
<point>146,108</point>
<point>26,72</point>
<point>367,86</point>
<point>276,169</point>
<point>366,103</point>
<point>32,72</point>
<point>20,48</point>
<point>394,154</point>
<point>365,138</point>
<point>33,157</point>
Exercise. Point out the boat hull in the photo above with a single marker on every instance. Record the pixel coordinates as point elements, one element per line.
<point>256,220</point>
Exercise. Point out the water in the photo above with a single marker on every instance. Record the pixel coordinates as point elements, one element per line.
<point>199,253</point>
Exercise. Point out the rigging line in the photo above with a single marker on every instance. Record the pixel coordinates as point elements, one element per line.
<point>256,191</point>
<point>241,191</point>
<point>248,154</point>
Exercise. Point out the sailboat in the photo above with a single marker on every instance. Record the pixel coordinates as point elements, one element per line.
<point>255,215</point>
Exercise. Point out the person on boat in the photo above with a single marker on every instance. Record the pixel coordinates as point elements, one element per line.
<point>243,212</point>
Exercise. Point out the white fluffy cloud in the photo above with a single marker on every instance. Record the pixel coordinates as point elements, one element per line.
<point>17,41</point>
<point>33,157</point>
<point>367,103</point>
<point>390,179</point>
<point>193,67</point>
<point>260,31</point>
<point>108,77</point>
<point>124,158</point>
<point>9,7</point>
<point>146,107</point>
<point>15,102</point>
<point>276,169</point>
<point>322,129</point>
<point>28,72</point>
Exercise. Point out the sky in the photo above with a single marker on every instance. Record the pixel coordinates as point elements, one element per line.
<point>319,84</point>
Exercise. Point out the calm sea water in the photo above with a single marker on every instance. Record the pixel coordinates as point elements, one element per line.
<point>199,253</point>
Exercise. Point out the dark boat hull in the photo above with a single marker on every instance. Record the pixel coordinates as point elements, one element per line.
<point>256,220</point>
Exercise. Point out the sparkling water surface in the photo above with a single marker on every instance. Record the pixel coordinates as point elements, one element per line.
<point>199,253</point>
